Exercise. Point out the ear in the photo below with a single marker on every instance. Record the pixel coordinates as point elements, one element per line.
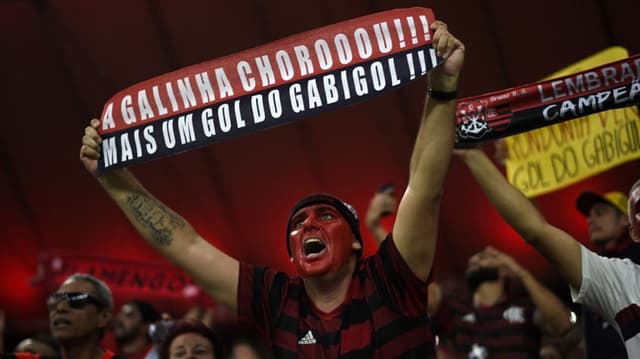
<point>291,259</point>
<point>104,318</point>
<point>356,245</point>
<point>634,235</point>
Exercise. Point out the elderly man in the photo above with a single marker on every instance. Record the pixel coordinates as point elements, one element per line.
<point>79,313</point>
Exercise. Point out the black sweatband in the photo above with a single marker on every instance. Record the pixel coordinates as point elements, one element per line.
<point>443,95</point>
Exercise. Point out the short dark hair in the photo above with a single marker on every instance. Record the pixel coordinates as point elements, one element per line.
<point>147,311</point>
<point>191,326</point>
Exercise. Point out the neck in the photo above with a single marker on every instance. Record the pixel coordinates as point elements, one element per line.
<point>612,244</point>
<point>488,293</point>
<point>328,292</point>
<point>133,346</point>
<point>81,349</point>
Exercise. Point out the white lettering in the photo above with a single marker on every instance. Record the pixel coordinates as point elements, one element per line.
<point>363,43</point>
<point>204,85</point>
<point>185,128</point>
<point>128,115</point>
<point>284,65</point>
<point>244,69</point>
<point>304,60</point>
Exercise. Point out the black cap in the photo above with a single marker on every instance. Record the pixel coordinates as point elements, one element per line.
<point>588,199</point>
<point>345,209</point>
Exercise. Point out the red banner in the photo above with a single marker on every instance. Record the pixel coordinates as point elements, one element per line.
<point>520,109</point>
<point>125,278</point>
<point>266,86</point>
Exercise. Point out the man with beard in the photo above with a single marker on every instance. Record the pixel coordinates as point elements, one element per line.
<point>131,329</point>
<point>609,286</point>
<point>496,322</point>
<point>342,304</point>
<point>608,222</point>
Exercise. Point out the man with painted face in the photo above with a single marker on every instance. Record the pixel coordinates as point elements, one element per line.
<point>608,286</point>
<point>342,304</point>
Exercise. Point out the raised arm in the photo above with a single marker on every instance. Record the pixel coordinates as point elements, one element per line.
<point>416,224</point>
<point>562,250</point>
<point>171,235</point>
<point>553,316</point>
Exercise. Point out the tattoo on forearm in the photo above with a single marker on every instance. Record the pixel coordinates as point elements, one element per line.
<point>155,217</point>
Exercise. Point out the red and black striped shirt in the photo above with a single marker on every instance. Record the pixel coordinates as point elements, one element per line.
<point>383,316</point>
<point>505,330</point>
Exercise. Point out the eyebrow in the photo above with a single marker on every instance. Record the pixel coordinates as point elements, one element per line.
<point>325,208</point>
<point>321,208</point>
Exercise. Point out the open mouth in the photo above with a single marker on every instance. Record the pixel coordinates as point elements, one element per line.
<point>313,246</point>
<point>61,323</point>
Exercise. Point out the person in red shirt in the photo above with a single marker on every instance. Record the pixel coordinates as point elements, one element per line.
<point>608,286</point>
<point>490,321</point>
<point>341,304</point>
<point>131,328</point>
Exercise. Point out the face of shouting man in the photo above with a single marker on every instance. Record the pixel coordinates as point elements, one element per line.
<point>321,240</point>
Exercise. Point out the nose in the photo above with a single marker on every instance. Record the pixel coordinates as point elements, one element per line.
<point>59,306</point>
<point>311,222</point>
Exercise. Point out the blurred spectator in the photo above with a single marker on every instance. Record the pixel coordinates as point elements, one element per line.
<point>608,223</point>
<point>247,347</point>
<point>193,339</point>
<point>42,344</point>
<point>131,329</point>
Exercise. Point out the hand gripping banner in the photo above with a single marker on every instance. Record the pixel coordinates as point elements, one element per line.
<point>267,86</point>
<point>520,109</point>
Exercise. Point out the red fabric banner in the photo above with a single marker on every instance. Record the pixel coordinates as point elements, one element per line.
<point>125,278</point>
<point>266,86</point>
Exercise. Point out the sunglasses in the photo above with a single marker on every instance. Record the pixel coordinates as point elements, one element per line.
<point>75,300</point>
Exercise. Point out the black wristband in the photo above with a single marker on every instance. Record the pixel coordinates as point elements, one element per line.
<point>443,95</point>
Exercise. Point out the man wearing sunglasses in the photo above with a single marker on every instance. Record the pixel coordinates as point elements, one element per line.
<point>79,313</point>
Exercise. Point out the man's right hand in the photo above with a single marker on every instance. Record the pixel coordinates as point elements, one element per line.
<point>90,149</point>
